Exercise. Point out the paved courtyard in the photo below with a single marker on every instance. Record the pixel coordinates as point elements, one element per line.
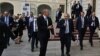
<point>53,49</point>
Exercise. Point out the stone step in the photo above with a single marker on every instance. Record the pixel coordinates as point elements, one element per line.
<point>85,38</point>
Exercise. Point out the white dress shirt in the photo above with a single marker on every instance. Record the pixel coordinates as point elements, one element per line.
<point>46,19</point>
<point>67,26</point>
<point>35,27</point>
<point>30,19</point>
<point>7,21</point>
<point>93,21</point>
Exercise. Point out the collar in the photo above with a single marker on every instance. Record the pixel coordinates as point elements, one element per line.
<point>31,16</point>
<point>66,19</point>
<point>6,16</point>
<point>44,16</point>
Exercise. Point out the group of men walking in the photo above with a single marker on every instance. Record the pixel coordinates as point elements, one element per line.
<point>39,29</point>
<point>84,22</point>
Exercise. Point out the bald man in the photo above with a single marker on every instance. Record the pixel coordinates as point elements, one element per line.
<point>66,29</point>
<point>44,27</point>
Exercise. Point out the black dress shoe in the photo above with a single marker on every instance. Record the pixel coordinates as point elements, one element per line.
<point>62,54</point>
<point>21,41</point>
<point>68,54</point>
<point>91,44</point>
<point>81,48</point>
<point>32,50</point>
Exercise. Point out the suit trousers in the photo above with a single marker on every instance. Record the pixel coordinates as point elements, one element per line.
<point>65,40</point>
<point>8,39</point>
<point>81,37</point>
<point>34,37</point>
<point>92,31</point>
<point>29,33</point>
<point>43,45</point>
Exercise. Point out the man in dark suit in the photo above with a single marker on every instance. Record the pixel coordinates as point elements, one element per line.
<point>66,29</point>
<point>89,11</point>
<point>1,15</point>
<point>73,10</point>
<point>34,31</point>
<point>9,21</point>
<point>58,15</point>
<point>78,9</point>
<point>4,31</point>
<point>93,25</point>
<point>81,26</point>
<point>28,20</point>
<point>44,27</point>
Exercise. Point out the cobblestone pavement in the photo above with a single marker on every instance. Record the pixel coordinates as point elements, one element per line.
<point>24,49</point>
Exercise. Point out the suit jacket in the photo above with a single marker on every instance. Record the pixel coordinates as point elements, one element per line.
<point>78,10</point>
<point>11,21</point>
<point>27,21</point>
<point>79,23</point>
<point>63,28</point>
<point>43,31</point>
<point>4,31</point>
<point>21,25</point>
<point>32,27</point>
<point>58,16</point>
<point>96,22</point>
<point>73,9</point>
<point>89,11</point>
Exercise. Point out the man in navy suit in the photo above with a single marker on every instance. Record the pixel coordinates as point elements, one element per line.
<point>58,15</point>
<point>89,10</point>
<point>34,31</point>
<point>78,9</point>
<point>4,32</point>
<point>81,26</point>
<point>66,29</point>
<point>93,25</point>
<point>28,20</point>
<point>8,20</point>
<point>73,10</point>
